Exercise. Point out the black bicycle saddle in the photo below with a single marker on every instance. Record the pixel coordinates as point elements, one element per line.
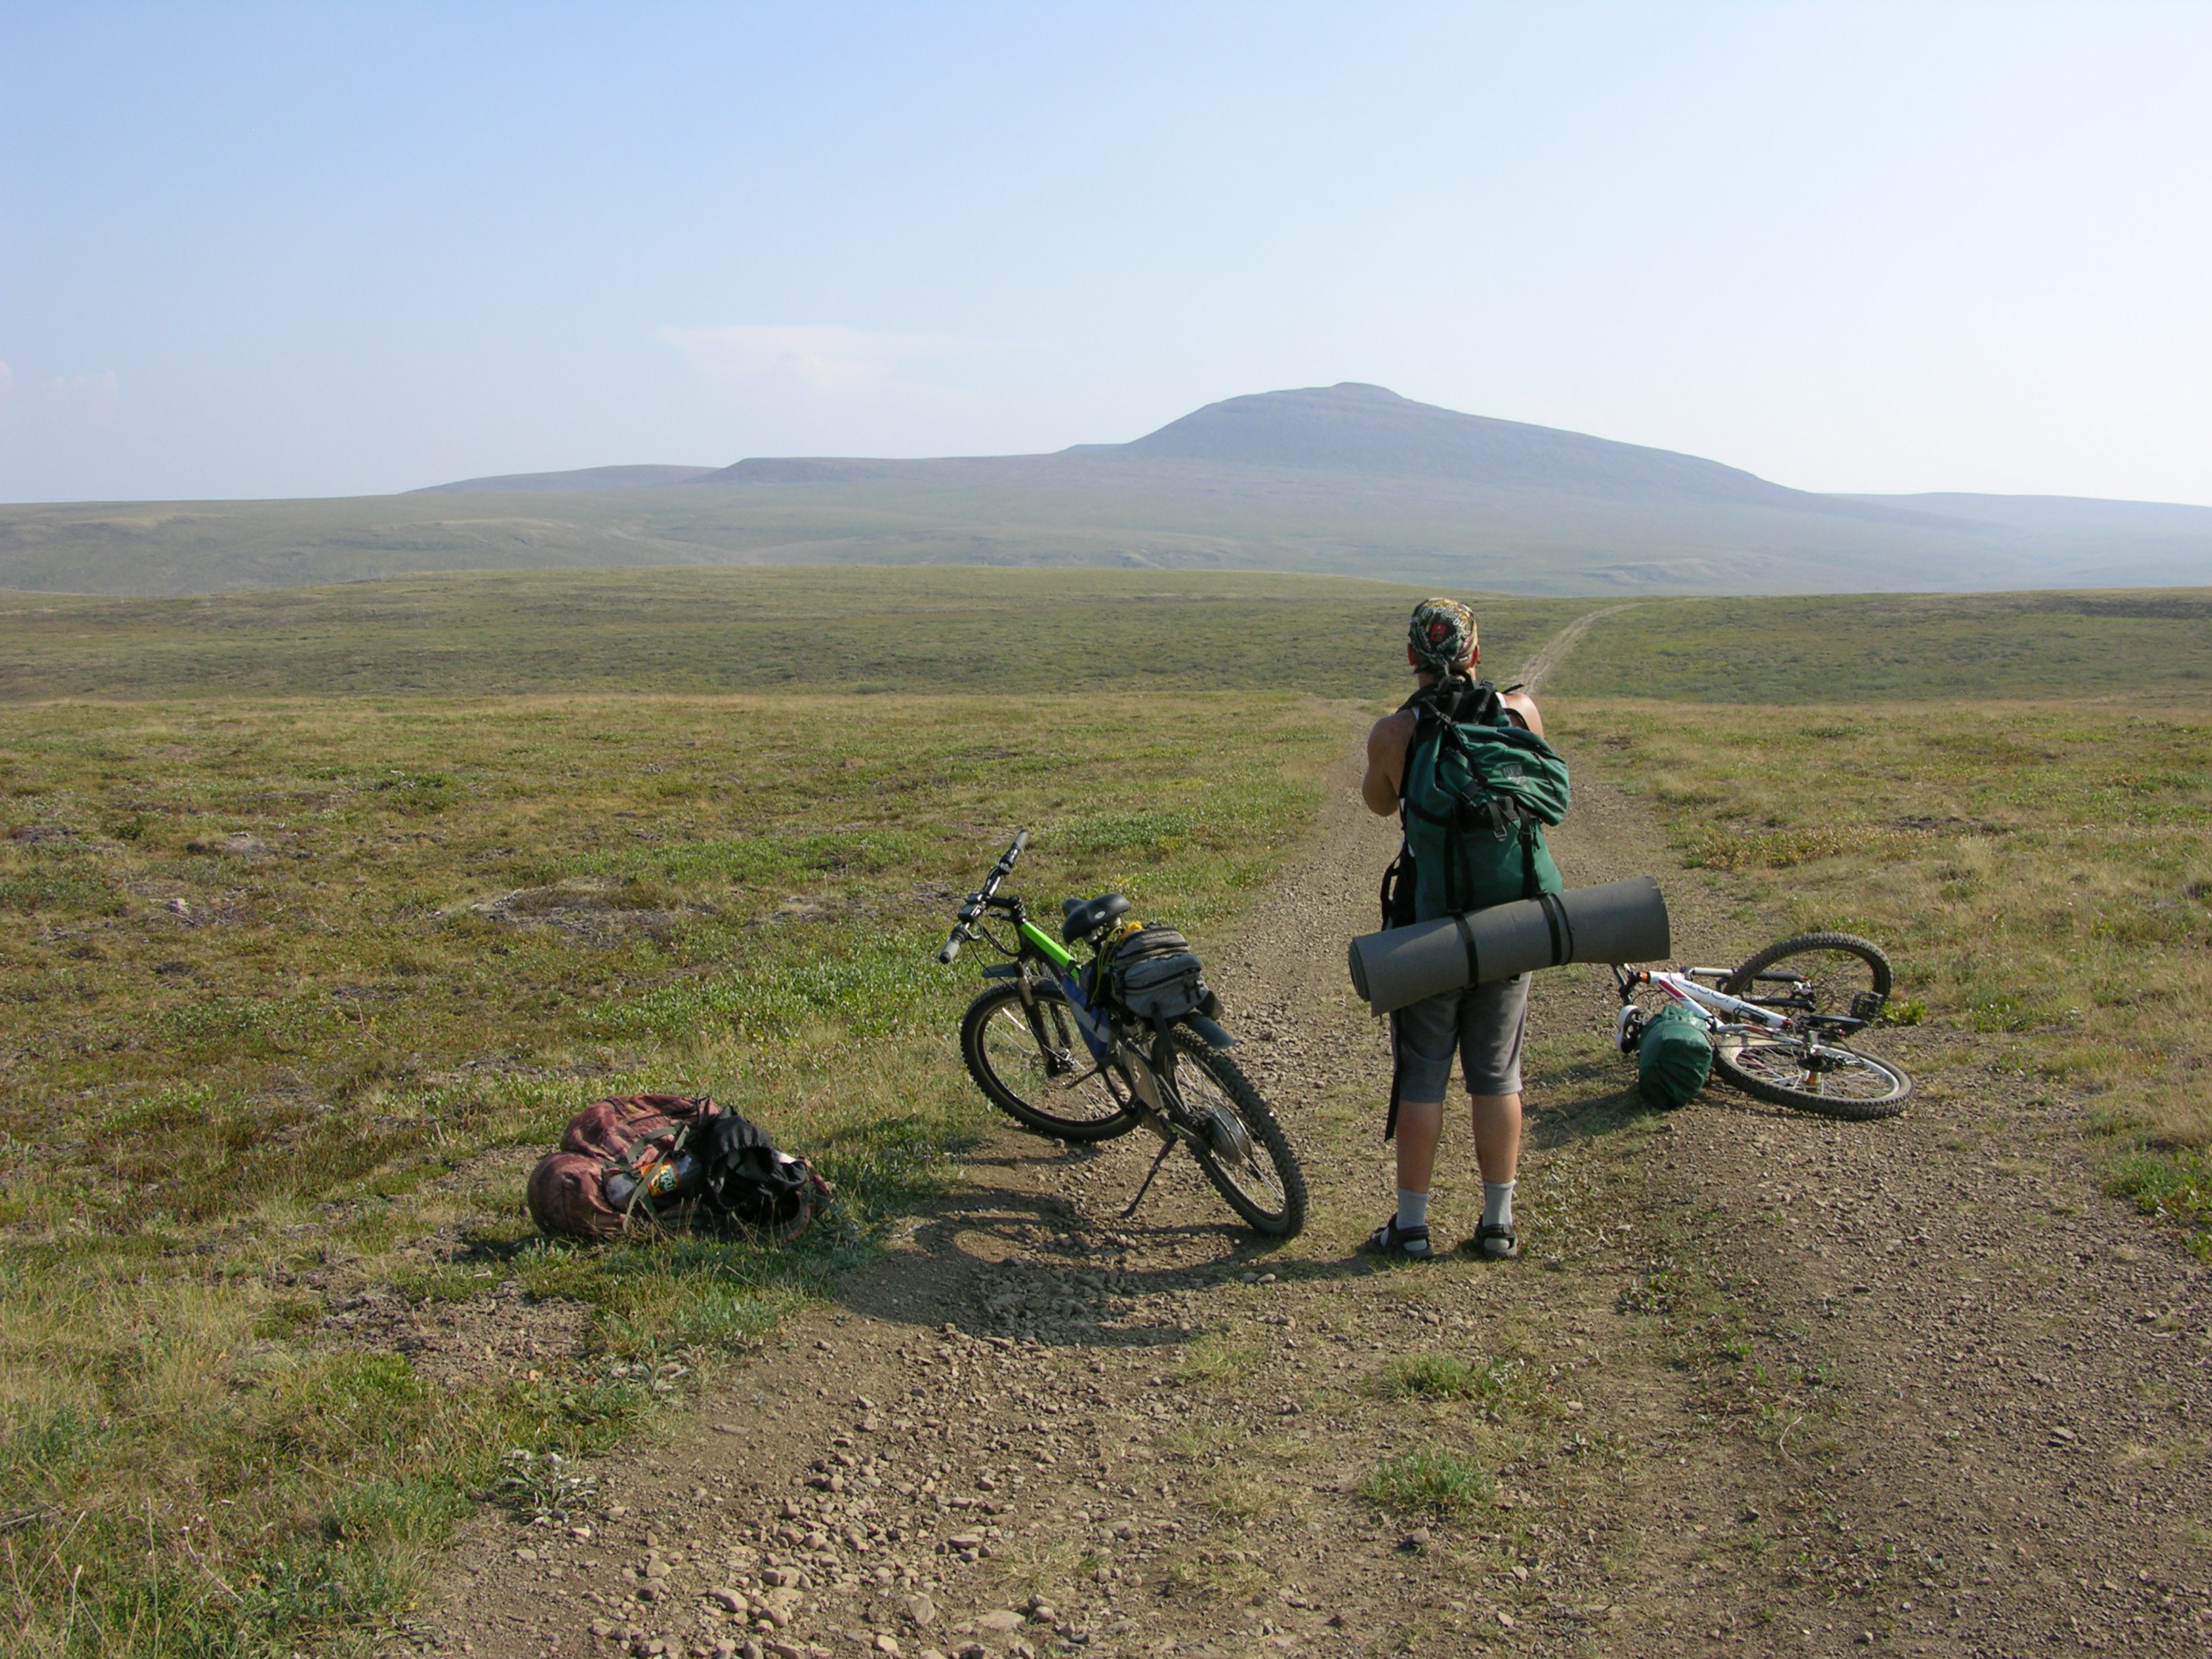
<point>1086,917</point>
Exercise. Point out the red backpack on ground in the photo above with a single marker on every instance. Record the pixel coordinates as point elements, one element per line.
<point>660,1162</point>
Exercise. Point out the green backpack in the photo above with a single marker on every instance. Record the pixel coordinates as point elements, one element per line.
<point>1674,1057</point>
<point>1478,791</point>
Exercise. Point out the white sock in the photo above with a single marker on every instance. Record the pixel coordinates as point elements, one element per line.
<point>1413,1209</point>
<point>1497,1203</point>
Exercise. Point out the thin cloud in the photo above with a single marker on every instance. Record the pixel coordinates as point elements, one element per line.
<point>82,394</point>
<point>824,359</point>
<point>7,380</point>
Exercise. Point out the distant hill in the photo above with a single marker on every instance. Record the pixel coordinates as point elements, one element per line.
<point>589,478</point>
<point>1365,431</point>
<point>1348,479</point>
<point>1366,428</point>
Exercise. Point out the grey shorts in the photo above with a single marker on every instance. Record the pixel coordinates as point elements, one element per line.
<point>1483,1023</point>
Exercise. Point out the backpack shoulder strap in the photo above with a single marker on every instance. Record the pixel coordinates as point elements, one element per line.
<point>1520,737</point>
<point>1430,734</point>
<point>1425,725</point>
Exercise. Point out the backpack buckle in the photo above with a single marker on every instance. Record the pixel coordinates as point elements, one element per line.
<point>1500,814</point>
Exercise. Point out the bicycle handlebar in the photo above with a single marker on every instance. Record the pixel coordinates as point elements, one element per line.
<point>964,928</point>
<point>1004,866</point>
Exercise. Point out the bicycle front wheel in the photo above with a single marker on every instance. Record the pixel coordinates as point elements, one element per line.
<point>1785,1069</point>
<point>1241,1147</point>
<point>1042,1077</point>
<point>1837,974</point>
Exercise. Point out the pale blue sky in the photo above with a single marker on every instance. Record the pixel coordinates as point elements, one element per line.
<point>323,249</point>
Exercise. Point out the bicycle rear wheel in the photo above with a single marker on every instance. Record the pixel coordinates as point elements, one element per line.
<point>1241,1149</point>
<point>1836,974</point>
<point>1051,1087</point>
<point>1786,1070</point>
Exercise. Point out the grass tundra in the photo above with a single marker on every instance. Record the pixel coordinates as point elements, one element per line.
<point>330,906</point>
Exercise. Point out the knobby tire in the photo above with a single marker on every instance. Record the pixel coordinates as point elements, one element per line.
<point>1744,982</point>
<point>1282,1214</point>
<point>1749,1061</point>
<point>996,1038</point>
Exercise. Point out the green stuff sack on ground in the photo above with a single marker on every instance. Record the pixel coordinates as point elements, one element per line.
<point>1673,1058</point>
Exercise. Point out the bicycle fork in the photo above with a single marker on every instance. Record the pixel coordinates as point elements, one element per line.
<point>1058,1061</point>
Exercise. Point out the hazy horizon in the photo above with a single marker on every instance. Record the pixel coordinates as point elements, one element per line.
<point>260,251</point>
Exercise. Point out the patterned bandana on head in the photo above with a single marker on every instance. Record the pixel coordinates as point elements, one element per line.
<point>1441,635</point>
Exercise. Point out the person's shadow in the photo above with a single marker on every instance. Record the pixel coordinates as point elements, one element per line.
<point>1601,1114</point>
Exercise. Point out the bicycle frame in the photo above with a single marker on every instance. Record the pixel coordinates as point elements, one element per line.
<point>1150,1076</point>
<point>1035,945</point>
<point>1680,986</point>
<point>1723,1015</point>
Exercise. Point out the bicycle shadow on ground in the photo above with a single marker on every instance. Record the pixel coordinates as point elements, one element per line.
<point>947,1277</point>
<point>949,1268</point>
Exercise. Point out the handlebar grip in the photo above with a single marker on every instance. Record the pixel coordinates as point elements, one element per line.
<point>951,950</point>
<point>1020,840</point>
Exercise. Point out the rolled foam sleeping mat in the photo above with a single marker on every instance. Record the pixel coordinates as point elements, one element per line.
<point>1619,922</point>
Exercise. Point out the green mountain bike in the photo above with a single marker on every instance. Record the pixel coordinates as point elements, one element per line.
<point>1086,1050</point>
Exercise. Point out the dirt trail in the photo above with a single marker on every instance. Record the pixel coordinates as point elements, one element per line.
<point>1554,650</point>
<point>1762,1384</point>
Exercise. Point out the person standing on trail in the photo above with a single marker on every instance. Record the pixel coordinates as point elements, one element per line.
<point>1436,874</point>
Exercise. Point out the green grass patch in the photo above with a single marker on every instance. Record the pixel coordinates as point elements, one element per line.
<point>1431,1481</point>
<point>1216,1358</point>
<point>2176,1187</point>
<point>1437,1376</point>
<point>1432,1376</point>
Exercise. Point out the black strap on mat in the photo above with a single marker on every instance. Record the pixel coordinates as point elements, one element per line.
<point>1563,933</point>
<point>1466,940</point>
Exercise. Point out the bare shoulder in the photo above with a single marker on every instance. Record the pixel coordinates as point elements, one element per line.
<point>1385,759</point>
<point>1390,735</point>
<point>1523,707</point>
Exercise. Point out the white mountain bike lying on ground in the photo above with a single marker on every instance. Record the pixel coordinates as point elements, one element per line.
<point>1781,1023</point>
